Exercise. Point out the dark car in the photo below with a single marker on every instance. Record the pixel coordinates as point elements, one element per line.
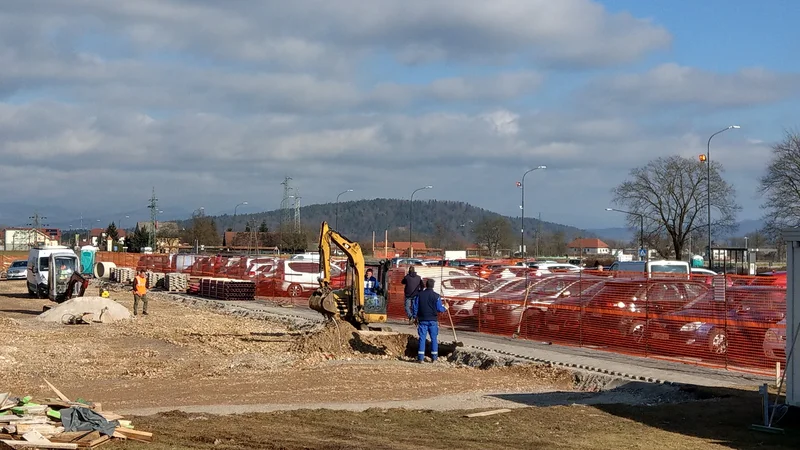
<point>503,312</point>
<point>735,325</point>
<point>618,312</point>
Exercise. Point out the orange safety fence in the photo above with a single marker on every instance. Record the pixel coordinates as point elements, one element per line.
<point>734,322</point>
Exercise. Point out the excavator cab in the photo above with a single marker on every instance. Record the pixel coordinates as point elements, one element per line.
<point>65,280</point>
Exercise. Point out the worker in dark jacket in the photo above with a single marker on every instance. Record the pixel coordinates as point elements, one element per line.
<point>413,286</point>
<point>426,309</point>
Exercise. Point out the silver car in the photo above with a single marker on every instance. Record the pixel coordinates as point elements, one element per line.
<point>18,270</point>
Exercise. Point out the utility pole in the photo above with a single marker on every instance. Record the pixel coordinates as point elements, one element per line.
<point>153,216</point>
<point>297,211</point>
<point>36,224</point>
<point>538,234</point>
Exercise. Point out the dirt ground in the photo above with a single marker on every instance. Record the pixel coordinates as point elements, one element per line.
<point>182,356</point>
<point>205,361</point>
<point>717,423</point>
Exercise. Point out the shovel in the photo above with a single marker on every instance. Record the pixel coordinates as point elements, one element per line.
<point>522,313</point>
<point>456,342</point>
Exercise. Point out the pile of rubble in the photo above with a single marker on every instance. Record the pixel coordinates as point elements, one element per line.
<point>60,423</point>
<point>123,275</point>
<point>176,282</point>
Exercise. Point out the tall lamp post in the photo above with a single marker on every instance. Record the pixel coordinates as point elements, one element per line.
<point>522,219</point>
<point>234,213</point>
<point>411,218</point>
<point>707,160</point>
<point>336,223</point>
<point>641,230</point>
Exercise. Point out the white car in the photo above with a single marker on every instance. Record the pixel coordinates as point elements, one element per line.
<point>775,342</point>
<point>701,271</point>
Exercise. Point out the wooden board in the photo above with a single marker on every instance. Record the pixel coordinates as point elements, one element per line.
<point>23,419</point>
<point>135,435</point>
<point>51,445</point>
<point>488,413</point>
<point>63,397</point>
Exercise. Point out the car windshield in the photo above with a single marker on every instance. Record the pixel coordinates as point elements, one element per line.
<point>19,264</point>
<point>494,285</point>
<point>668,268</point>
<point>552,286</point>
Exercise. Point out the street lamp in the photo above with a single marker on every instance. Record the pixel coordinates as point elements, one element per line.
<point>641,230</point>
<point>410,219</point>
<point>707,160</point>
<point>522,218</point>
<point>336,224</point>
<point>234,213</point>
<point>120,223</point>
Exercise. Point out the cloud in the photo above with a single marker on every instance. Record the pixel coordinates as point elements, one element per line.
<point>317,32</point>
<point>213,103</point>
<point>673,85</point>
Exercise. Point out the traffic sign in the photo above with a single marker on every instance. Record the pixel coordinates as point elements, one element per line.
<point>642,252</point>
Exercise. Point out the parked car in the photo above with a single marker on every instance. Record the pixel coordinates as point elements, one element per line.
<point>618,312</point>
<point>466,306</point>
<point>650,268</point>
<point>18,270</point>
<point>775,342</point>
<point>541,294</point>
<point>719,327</point>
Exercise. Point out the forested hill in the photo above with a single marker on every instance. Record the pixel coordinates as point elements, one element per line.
<point>359,219</point>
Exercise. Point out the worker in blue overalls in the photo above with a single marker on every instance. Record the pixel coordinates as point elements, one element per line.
<point>426,309</point>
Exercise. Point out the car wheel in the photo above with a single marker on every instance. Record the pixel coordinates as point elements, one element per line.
<point>718,342</point>
<point>295,290</point>
<point>638,332</point>
<point>31,292</point>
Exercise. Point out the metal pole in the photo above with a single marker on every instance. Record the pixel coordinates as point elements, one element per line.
<point>708,189</point>
<point>234,214</point>
<point>410,220</point>
<point>522,251</point>
<point>336,223</point>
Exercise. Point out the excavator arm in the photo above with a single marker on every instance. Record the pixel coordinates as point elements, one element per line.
<point>349,306</point>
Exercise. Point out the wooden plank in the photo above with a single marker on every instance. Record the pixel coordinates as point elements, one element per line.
<point>51,445</point>
<point>488,413</point>
<point>45,429</point>
<point>35,436</point>
<point>135,435</point>
<point>69,436</point>
<point>90,443</point>
<point>60,395</point>
<point>23,419</point>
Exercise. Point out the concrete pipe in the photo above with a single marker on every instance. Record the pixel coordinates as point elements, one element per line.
<point>103,269</point>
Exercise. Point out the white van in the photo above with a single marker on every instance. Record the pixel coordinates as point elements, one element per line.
<point>651,267</point>
<point>39,259</point>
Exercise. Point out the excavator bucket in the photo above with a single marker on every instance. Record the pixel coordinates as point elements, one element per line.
<point>323,301</point>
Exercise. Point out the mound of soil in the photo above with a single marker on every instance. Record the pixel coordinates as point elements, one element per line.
<point>104,309</point>
<point>341,338</point>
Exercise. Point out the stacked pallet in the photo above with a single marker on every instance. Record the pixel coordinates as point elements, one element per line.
<point>155,279</point>
<point>41,424</point>
<point>176,282</point>
<point>227,289</point>
<point>123,275</point>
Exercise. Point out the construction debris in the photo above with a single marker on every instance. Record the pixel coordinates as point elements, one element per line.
<point>176,282</point>
<point>60,423</point>
<point>86,310</point>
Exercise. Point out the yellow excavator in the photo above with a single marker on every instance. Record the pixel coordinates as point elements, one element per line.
<point>351,303</point>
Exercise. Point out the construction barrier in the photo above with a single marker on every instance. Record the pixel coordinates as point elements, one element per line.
<point>726,321</point>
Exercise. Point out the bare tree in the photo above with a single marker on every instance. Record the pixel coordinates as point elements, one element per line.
<point>494,234</point>
<point>781,185</point>
<point>670,193</point>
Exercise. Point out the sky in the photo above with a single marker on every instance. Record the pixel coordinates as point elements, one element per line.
<point>214,103</point>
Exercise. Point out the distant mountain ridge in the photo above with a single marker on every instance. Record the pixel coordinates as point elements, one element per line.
<point>358,219</point>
